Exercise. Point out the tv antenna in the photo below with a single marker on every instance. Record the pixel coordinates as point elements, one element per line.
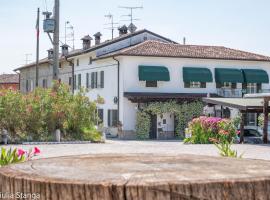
<point>27,60</point>
<point>131,12</point>
<point>112,27</point>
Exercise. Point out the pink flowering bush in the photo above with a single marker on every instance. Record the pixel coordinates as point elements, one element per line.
<point>205,130</point>
<point>17,155</point>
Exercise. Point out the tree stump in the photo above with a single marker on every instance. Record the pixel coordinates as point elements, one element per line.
<point>138,177</point>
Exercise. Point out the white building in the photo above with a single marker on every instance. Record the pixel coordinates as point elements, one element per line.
<point>144,67</point>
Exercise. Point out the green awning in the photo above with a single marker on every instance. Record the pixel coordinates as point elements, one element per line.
<point>255,76</point>
<point>197,74</point>
<point>228,75</point>
<point>153,73</point>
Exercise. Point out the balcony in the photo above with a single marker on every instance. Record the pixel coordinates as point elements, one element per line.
<point>230,93</point>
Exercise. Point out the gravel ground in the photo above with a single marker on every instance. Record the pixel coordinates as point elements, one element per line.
<point>156,147</point>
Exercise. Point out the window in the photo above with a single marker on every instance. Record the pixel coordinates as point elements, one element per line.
<point>112,118</point>
<point>226,85</point>
<point>151,84</point>
<point>251,88</point>
<point>90,60</point>
<point>44,83</point>
<point>79,81</point>
<point>78,62</point>
<point>100,115</point>
<point>195,84</point>
<point>70,81</point>
<point>29,86</point>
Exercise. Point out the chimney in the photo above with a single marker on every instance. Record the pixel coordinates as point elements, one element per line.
<point>132,28</point>
<point>50,54</point>
<point>64,49</point>
<point>123,30</point>
<point>86,42</point>
<point>97,38</point>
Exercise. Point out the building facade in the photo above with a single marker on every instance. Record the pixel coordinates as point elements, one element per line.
<point>154,71</point>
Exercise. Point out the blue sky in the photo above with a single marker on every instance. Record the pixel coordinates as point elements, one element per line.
<point>240,24</point>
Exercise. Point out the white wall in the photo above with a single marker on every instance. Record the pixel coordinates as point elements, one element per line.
<point>131,83</point>
<point>109,91</point>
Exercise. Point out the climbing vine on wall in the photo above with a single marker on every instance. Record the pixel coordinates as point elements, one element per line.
<point>183,113</point>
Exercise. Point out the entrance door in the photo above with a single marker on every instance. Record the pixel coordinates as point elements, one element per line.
<point>153,130</point>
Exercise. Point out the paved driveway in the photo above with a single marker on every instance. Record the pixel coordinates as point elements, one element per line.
<point>156,147</point>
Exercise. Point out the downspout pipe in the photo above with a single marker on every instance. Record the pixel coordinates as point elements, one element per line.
<point>118,87</point>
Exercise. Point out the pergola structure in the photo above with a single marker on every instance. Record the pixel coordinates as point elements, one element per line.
<point>252,103</point>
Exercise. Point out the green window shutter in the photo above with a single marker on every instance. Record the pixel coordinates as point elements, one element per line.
<point>96,80</point>
<point>203,85</point>
<point>87,80</point>
<point>92,80</point>
<point>187,84</point>
<point>109,118</point>
<point>75,82</point>
<point>27,86</point>
<point>259,87</point>
<point>100,115</point>
<point>102,79</point>
<point>114,118</point>
<point>79,81</point>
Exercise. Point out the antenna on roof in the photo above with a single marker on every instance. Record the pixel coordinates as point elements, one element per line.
<point>112,27</point>
<point>130,15</point>
<point>27,60</point>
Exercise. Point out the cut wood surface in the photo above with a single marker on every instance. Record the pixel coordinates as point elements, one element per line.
<point>139,177</point>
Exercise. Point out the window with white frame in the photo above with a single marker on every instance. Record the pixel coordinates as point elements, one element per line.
<point>194,84</point>
<point>227,85</point>
<point>251,88</point>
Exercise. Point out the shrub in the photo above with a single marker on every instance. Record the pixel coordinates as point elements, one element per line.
<point>36,115</point>
<point>143,125</point>
<point>206,130</point>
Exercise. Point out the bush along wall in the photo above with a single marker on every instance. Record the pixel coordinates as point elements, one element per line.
<point>183,113</point>
<point>36,115</point>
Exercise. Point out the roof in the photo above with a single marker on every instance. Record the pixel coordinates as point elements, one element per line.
<point>161,49</point>
<point>9,78</point>
<point>243,104</point>
<point>43,61</point>
<point>117,39</point>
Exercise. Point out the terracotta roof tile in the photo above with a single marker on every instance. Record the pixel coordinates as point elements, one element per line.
<point>9,78</point>
<point>162,49</point>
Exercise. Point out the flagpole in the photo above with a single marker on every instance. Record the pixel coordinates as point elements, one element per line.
<point>37,48</point>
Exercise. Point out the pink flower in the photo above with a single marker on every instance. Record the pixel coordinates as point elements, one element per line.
<point>21,152</point>
<point>36,151</point>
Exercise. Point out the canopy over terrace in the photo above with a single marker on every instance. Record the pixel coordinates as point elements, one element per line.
<point>250,104</point>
